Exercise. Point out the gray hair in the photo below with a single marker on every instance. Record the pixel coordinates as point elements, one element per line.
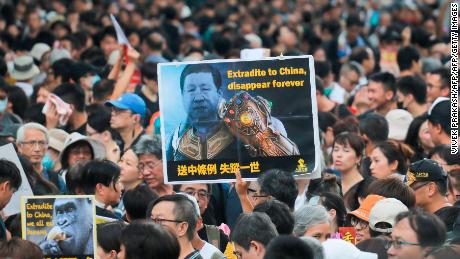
<point>31,125</point>
<point>308,216</point>
<point>315,245</point>
<point>352,66</point>
<point>148,145</point>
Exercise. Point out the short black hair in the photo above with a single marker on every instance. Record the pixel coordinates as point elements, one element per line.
<point>184,210</point>
<point>255,226</point>
<point>407,55</point>
<point>279,214</point>
<point>444,74</point>
<point>137,200</point>
<point>149,70</point>
<point>72,94</point>
<point>412,85</point>
<point>201,68</point>
<point>10,173</point>
<point>392,187</point>
<point>145,240</point>
<point>279,184</point>
<point>63,68</point>
<point>430,230</point>
<point>109,234</point>
<point>322,68</point>
<point>99,120</point>
<point>443,151</point>
<point>319,85</point>
<point>97,171</point>
<point>354,20</point>
<point>387,79</point>
<point>288,247</point>
<point>103,89</point>
<point>18,98</point>
<point>369,124</point>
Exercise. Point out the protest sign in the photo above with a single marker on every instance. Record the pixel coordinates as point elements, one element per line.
<point>62,226</point>
<point>229,115</point>
<point>13,207</point>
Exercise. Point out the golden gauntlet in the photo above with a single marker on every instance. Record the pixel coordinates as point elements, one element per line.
<point>248,118</point>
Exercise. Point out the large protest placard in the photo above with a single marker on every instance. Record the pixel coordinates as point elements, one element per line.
<point>220,116</point>
<point>62,226</point>
<point>13,207</point>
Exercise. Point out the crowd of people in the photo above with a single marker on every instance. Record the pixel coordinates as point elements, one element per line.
<point>83,115</point>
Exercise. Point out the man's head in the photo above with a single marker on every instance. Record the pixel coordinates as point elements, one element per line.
<point>368,125</point>
<point>279,214</point>
<point>381,90</point>
<point>439,121</point>
<point>150,76</point>
<point>32,141</point>
<point>128,110</point>
<point>100,178</point>
<point>60,72</point>
<point>10,180</point>
<point>251,235</point>
<point>415,234</point>
<point>350,73</point>
<point>428,181</point>
<point>365,57</point>
<point>177,213</point>
<point>136,202</point>
<point>438,84</point>
<point>201,191</point>
<point>108,41</point>
<point>280,185</point>
<point>289,247</point>
<point>445,158</point>
<point>200,86</point>
<point>410,89</point>
<point>72,94</point>
<point>148,150</point>
<point>73,216</point>
<point>408,59</point>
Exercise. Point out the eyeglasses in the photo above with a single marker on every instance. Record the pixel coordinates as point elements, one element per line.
<point>202,194</point>
<point>238,254</point>
<point>161,221</point>
<point>253,194</point>
<point>150,165</point>
<point>80,151</point>
<point>398,243</point>
<point>34,143</point>
<point>362,224</point>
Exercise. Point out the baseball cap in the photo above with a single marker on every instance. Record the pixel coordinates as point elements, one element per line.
<point>365,208</point>
<point>129,101</point>
<point>385,211</point>
<point>425,170</point>
<point>399,121</point>
<point>440,111</point>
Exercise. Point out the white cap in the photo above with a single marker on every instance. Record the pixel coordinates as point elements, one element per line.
<point>385,211</point>
<point>338,248</point>
<point>399,121</point>
<point>38,50</point>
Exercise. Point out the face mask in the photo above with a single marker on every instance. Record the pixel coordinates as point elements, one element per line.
<point>94,80</point>
<point>3,104</point>
<point>48,163</point>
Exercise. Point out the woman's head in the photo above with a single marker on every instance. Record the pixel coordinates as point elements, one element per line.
<point>313,221</point>
<point>387,158</point>
<point>129,168</point>
<point>335,206</point>
<point>418,136</point>
<point>347,151</point>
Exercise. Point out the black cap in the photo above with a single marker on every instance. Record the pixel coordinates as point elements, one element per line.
<point>425,170</point>
<point>439,111</point>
